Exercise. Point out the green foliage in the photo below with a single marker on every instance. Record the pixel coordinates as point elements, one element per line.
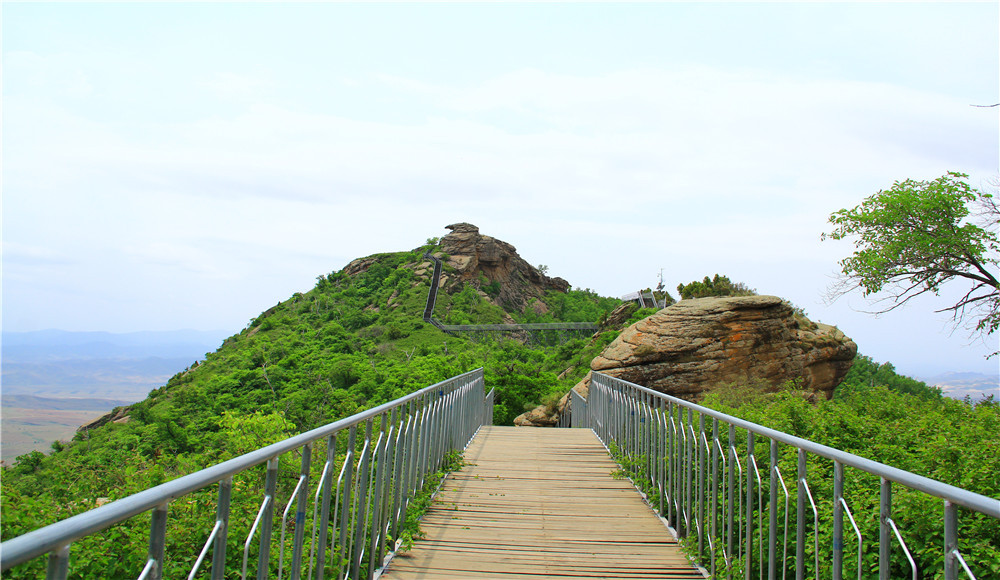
<point>638,314</point>
<point>421,502</point>
<point>916,236</point>
<point>951,441</point>
<point>715,286</point>
<point>573,306</point>
<point>352,342</point>
<point>866,374</point>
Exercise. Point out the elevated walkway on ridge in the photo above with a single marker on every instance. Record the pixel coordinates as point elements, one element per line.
<point>558,327</point>
<point>534,503</point>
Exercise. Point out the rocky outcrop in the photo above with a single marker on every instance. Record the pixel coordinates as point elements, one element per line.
<point>471,253</point>
<point>690,346</point>
<point>693,345</point>
<point>117,415</point>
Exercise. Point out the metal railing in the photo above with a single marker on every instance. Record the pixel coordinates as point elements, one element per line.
<point>578,420</point>
<point>574,327</point>
<point>358,506</point>
<point>734,509</point>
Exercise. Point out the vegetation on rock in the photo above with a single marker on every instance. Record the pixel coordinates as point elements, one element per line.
<point>714,286</point>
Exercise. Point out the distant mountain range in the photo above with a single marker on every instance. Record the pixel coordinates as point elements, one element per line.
<point>959,385</point>
<point>56,380</point>
<point>51,345</point>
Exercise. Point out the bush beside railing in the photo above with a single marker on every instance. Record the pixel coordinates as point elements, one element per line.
<point>374,463</point>
<point>748,499</point>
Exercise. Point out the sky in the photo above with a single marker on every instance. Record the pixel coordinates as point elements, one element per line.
<point>188,165</point>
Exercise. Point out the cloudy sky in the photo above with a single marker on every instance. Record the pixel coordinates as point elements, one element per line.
<point>186,166</point>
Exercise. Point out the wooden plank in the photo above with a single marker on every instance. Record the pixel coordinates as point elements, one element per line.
<point>540,502</point>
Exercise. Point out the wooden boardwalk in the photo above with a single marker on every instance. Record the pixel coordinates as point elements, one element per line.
<point>536,503</point>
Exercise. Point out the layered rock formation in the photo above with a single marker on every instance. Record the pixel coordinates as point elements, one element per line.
<point>471,253</point>
<point>686,348</point>
<point>689,347</point>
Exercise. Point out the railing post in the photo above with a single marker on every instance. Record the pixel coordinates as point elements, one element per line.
<point>950,541</point>
<point>399,474</point>
<point>772,521</point>
<point>375,535</point>
<point>700,514</point>
<point>884,537</point>
<point>714,530</point>
<point>800,524</point>
<point>730,495</point>
<point>300,514</point>
<point>672,468</point>
<point>386,469</point>
<point>267,524</point>
<point>58,566</point>
<point>344,537</point>
<point>749,513</point>
<point>688,462</point>
<point>838,521</point>
<point>662,456</point>
<point>222,515</point>
<point>157,540</point>
<point>325,492</point>
<point>361,505</point>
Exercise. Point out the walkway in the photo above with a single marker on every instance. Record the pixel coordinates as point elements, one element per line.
<point>582,328</point>
<point>540,502</point>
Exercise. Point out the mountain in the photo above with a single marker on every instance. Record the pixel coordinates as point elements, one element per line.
<point>56,380</point>
<point>144,343</point>
<point>355,340</point>
<point>959,385</point>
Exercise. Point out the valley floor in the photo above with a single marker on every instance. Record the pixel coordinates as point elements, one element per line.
<point>26,430</point>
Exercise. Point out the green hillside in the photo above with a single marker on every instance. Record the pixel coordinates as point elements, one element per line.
<point>352,342</point>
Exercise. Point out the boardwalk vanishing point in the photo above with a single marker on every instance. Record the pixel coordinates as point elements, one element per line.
<point>533,503</point>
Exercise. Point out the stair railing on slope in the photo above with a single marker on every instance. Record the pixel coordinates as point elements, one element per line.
<point>712,491</point>
<point>357,510</point>
<point>453,328</point>
<point>432,294</point>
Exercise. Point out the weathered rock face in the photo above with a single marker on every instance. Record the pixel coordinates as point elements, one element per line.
<point>117,415</point>
<point>690,346</point>
<point>470,253</point>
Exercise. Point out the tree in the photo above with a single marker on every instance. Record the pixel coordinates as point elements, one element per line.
<point>916,236</point>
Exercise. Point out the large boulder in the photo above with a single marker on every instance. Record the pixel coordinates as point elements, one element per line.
<point>691,346</point>
<point>472,254</point>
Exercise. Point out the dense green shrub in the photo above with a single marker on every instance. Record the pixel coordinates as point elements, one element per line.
<point>715,286</point>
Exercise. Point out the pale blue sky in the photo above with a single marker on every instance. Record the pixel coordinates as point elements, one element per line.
<point>187,165</point>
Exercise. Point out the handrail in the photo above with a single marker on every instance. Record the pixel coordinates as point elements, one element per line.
<point>617,409</point>
<point>449,414</point>
<point>526,326</point>
<point>432,294</point>
<point>432,302</point>
<point>980,503</point>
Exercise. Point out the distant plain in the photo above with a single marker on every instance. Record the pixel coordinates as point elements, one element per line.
<point>55,381</point>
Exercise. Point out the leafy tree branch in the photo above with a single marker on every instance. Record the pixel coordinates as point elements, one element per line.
<point>916,236</point>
